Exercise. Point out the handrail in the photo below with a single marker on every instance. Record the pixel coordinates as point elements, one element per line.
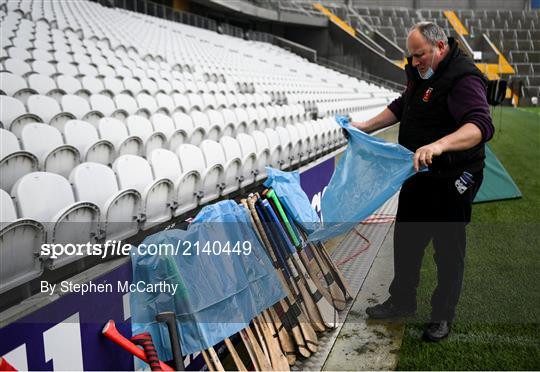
<point>370,78</point>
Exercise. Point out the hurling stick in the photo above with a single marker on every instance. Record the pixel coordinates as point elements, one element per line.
<point>264,363</point>
<point>208,361</point>
<point>169,318</point>
<point>326,310</point>
<point>285,341</point>
<point>293,315</point>
<point>308,332</point>
<point>281,250</point>
<point>5,366</point>
<point>112,334</point>
<point>277,359</point>
<point>234,354</point>
<point>320,250</point>
<point>215,359</point>
<point>303,334</point>
<point>145,340</point>
<point>260,338</point>
<point>332,292</point>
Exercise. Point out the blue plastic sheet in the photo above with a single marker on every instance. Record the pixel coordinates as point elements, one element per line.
<point>370,171</point>
<point>218,294</point>
<point>294,199</point>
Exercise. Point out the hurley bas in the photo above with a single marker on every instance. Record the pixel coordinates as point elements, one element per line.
<point>125,286</point>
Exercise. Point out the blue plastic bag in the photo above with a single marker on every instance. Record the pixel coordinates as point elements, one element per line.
<point>294,199</point>
<point>370,171</point>
<point>217,294</point>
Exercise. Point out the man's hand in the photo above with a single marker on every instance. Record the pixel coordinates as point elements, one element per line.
<point>358,125</point>
<point>424,155</point>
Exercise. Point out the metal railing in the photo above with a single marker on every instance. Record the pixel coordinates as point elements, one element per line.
<point>370,78</point>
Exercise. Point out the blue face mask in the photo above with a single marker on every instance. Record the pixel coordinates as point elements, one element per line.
<point>429,73</point>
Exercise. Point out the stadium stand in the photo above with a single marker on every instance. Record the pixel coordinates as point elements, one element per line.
<point>515,33</point>
<point>122,130</point>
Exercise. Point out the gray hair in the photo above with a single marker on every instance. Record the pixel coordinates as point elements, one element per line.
<point>431,32</point>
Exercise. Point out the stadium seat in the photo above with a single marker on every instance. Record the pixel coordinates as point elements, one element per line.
<point>242,120</point>
<point>187,184</point>
<point>228,160</point>
<point>84,137</point>
<point>216,123</point>
<point>233,152</point>
<point>184,122</point>
<point>250,160</point>
<point>193,161</point>
<point>279,155</point>
<point>120,209</point>
<point>201,124</point>
<point>125,105</point>
<point>15,86</point>
<point>156,194</point>
<point>147,105</point>
<point>289,156</point>
<point>165,103</point>
<point>103,104</point>
<point>141,127</point>
<point>48,198</point>
<point>264,154</point>
<point>174,137</point>
<point>45,142</point>
<point>14,163</point>
<point>20,242</point>
<point>80,109</point>
<point>116,132</point>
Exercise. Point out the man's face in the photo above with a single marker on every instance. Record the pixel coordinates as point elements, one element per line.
<point>423,52</point>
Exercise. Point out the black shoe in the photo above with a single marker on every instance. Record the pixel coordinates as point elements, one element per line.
<point>388,310</point>
<point>436,331</point>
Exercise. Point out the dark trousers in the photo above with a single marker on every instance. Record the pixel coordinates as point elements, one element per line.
<point>429,209</point>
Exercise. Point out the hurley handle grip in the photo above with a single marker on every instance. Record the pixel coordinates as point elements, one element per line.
<point>169,318</point>
<point>145,340</point>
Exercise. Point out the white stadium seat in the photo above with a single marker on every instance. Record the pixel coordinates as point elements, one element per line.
<point>215,157</point>
<point>45,142</point>
<point>49,110</point>
<point>193,163</point>
<point>14,163</point>
<point>156,195</point>
<point>20,242</point>
<point>116,132</point>
<point>278,154</point>
<point>80,109</point>
<point>13,115</point>
<point>141,127</point>
<point>84,137</point>
<point>48,198</point>
<point>264,155</point>
<point>164,124</point>
<point>120,209</point>
<point>202,126</point>
<point>233,154</point>
<point>187,184</point>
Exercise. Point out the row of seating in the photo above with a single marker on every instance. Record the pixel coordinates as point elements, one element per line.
<point>52,149</point>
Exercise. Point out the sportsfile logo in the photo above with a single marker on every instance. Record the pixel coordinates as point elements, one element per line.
<point>116,248</point>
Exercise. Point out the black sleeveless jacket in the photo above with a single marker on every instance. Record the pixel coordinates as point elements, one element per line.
<point>426,118</point>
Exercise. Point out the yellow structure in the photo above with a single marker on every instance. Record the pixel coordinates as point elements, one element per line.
<point>335,19</point>
<point>455,22</point>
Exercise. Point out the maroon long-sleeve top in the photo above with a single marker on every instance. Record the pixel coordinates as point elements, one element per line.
<point>467,103</point>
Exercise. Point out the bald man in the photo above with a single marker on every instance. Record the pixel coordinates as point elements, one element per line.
<point>445,120</point>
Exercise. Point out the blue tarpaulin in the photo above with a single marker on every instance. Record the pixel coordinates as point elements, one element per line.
<point>223,274</point>
<point>370,171</point>
<point>294,199</point>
